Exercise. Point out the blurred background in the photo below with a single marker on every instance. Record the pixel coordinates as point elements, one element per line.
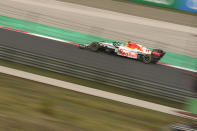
<point>39,36</point>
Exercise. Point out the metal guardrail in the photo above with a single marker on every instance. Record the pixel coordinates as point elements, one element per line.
<point>94,74</point>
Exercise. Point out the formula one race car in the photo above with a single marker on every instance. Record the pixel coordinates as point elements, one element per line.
<point>130,50</point>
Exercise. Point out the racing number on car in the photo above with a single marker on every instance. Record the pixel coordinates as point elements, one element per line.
<point>128,54</point>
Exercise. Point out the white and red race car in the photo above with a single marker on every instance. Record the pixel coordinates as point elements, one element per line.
<point>130,50</point>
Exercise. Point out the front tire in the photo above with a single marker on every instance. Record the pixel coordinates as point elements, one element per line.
<point>94,46</point>
<point>82,46</point>
<point>146,59</point>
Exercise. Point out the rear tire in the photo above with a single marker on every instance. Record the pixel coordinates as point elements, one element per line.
<point>94,46</point>
<point>146,59</point>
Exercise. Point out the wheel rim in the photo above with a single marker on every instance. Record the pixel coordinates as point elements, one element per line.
<point>146,59</point>
<point>94,47</point>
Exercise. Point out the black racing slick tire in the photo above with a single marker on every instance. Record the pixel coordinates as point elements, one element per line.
<point>146,59</point>
<point>94,46</point>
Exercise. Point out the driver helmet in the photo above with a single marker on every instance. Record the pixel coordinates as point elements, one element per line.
<point>128,42</point>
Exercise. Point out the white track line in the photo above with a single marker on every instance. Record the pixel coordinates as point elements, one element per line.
<point>178,67</point>
<point>182,68</point>
<point>91,91</point>
<point>47,37</point>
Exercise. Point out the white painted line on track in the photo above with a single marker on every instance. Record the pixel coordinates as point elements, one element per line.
<point>178,67</point>
<point>47,37</point>
<point>182,68</point>
<point>94,92</point>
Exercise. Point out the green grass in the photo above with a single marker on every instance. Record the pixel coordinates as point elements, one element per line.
<point>27,105</point>
<point>92,84</point>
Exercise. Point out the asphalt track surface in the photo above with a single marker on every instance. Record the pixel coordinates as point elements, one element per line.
<point>152,72</point>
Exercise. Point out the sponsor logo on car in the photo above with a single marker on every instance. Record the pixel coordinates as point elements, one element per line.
<point>128,54</point>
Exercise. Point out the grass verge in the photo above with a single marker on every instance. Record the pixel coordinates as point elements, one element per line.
<point>27,105</point>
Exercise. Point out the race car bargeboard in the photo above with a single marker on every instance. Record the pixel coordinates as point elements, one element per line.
<point>130,50</point>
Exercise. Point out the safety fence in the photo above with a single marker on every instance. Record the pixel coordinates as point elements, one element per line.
<point>94,74</point>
